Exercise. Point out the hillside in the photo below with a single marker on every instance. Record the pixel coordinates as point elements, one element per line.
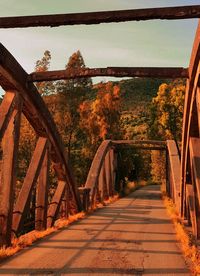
<point>137,94</point>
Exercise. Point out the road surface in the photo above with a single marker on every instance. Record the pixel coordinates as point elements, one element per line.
<point>133,236</point>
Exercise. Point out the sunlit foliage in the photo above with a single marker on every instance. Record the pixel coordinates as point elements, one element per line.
<point>167,111</point>
<point>100,118</point>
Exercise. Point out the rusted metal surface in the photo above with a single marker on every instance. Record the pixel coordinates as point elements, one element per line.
<point>112,170</point>
<point>175,170</point>
<point>198,106</point>
<point>85,196</point>
<point>6,109</point>
<point>141,147</point>
<point>42,194</point>
<point>190,114</point>
<point>190,154</point>
<point>101,178</point>
<point>8,173</point>
<point>194,146</point>
<point>108,173</point>
<point>13,77</point>
<point>23,200</point>
<point>54,20</point>
<point>55,203</point>
<point>101,183</point>
<point>143,72</point>
<point>93,175</point>
<point>102,174</point>
<point>139,142</point>
<point>195,55</point>
<point>190,197</point>
<point>103,187</point>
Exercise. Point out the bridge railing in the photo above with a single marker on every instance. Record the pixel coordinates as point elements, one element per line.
<point>33,205</point>
<point>101,178</point>
<point>190,153</point>
<point>23,98</point>
<point>183,181</point>
<point>173,172</point>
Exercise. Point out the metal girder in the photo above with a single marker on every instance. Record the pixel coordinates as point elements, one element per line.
<point>142,72</point>
<point>55,20</point>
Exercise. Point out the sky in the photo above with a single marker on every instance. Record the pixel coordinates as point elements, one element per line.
<point>147,43</point>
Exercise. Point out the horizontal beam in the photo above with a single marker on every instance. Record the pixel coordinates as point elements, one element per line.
<point>140,147</point>
<point>55,20</point>
<point>143,72</point>
<point>139,142</point>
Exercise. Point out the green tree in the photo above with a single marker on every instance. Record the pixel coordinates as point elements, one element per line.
<point>76,62</point>
<point>167,111</point>
<point>43,65</point>
<point>166,115</point>
<point>71,94</point>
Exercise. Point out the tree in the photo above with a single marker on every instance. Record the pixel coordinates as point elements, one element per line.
<point>166,117</point>
<point>100,118</point>
<point>43,65</point>
<point>76,62</point>
<point>167,111</point>
<point>72,93</point>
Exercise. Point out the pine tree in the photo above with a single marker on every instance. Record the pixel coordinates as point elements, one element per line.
<point>43,65</point>
<point>72,93</point>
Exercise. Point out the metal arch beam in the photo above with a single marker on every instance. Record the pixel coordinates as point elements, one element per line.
<point>55,20</point>
<point>142,72</point>
<point>96,165</point>
<point>188,110</point>
<point>175,167</point>
<point>13,77</point>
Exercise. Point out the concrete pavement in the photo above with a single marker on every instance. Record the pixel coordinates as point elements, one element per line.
<point>133,236</point>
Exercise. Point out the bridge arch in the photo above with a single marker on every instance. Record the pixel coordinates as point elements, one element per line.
<point>22,97</point>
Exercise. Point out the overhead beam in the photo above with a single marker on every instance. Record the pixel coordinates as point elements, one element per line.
<point>140,147</point>
<point>143,72</point>
<point>139,142</point>
<point>55,20</point>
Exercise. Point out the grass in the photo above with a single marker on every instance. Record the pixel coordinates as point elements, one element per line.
<point>187,241</point>
<point>132,186</point>
<point>28,239</point>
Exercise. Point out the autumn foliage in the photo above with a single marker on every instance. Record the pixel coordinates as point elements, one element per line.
<point>86,114</point>
<point>167,111</point>
<point>100,118</point>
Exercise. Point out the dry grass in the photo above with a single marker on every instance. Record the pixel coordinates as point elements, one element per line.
<point>131,186</point>
<point>187,241</point>
<point>106,202</point>
<point>29,238</point>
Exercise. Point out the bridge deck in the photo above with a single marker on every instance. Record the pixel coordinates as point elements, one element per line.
<point>133,236</point>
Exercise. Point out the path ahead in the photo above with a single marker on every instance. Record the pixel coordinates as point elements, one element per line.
<point>133,236</point>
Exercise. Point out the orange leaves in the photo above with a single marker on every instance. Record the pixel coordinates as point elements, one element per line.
<point>116,91</point>
<point>100,117</point>
<point>167,110</point>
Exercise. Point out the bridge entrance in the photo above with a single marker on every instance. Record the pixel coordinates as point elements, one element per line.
<point>22,97</point>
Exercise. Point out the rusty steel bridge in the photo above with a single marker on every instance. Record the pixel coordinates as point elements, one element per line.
<point>21,97</point>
